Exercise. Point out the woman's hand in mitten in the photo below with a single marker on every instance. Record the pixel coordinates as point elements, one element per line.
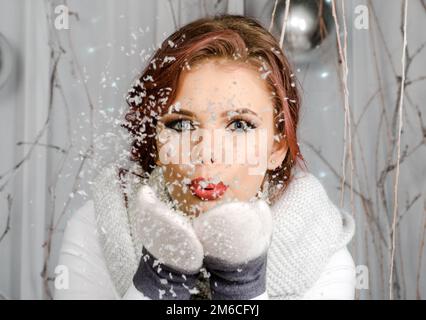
<point>235,238</point>
<point>172,254</point>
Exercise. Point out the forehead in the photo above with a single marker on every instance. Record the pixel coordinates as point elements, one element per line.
<point>216,86</point>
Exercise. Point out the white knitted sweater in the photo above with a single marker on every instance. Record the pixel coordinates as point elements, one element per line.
<point>308,231</point>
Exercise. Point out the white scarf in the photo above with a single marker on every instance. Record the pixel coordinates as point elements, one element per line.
<point>308,230</point>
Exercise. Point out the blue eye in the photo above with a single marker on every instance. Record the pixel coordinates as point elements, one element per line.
<point>240,126</point>
<point>181,125</point>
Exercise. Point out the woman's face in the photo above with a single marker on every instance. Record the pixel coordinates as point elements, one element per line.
<point>217,140</point>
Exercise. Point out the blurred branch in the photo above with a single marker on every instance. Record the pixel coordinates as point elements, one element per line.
<point>9,214</point>
<point>51,146</point>
<point>273,16</point>
<point>401,101</point>
<point>12,172</point>
<point>421,251</point>
<point>285,18</point>
<point>347,135</point>
<point>407,208</point>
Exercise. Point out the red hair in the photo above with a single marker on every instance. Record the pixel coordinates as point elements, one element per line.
<point>230,37</point>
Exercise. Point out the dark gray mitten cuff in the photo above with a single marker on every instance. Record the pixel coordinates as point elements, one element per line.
<point>237,282</point>
<point>158,281</point>
<point>235,238</point>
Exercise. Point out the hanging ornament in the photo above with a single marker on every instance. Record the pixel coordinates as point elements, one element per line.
<point>309,24</point>
<point>6,58</point>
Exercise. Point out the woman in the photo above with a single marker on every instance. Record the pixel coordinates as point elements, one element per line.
<point>217,203</point>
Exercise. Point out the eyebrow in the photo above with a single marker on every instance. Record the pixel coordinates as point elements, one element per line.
<point>240,111</point>
<point>224,114</point>
<point>182,112</point>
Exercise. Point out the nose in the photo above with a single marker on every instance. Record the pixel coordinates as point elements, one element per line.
<point>203,161</point>
<point>206,144</point>
<point>206,156</point>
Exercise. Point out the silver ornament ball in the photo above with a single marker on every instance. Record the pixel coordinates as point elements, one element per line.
<point>309,23</point>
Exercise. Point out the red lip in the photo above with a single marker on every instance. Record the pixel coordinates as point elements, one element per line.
<point>212,191</point>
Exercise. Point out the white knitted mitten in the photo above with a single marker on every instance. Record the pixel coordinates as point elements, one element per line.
<point>235,238</point>
<point>172,254</point>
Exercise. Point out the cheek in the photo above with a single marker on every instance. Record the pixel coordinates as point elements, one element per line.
<point>176,174</point>
<point>244,185</point>
<point>168,146</point>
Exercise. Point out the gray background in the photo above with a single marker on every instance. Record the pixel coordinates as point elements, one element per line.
<point>66,94</point>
